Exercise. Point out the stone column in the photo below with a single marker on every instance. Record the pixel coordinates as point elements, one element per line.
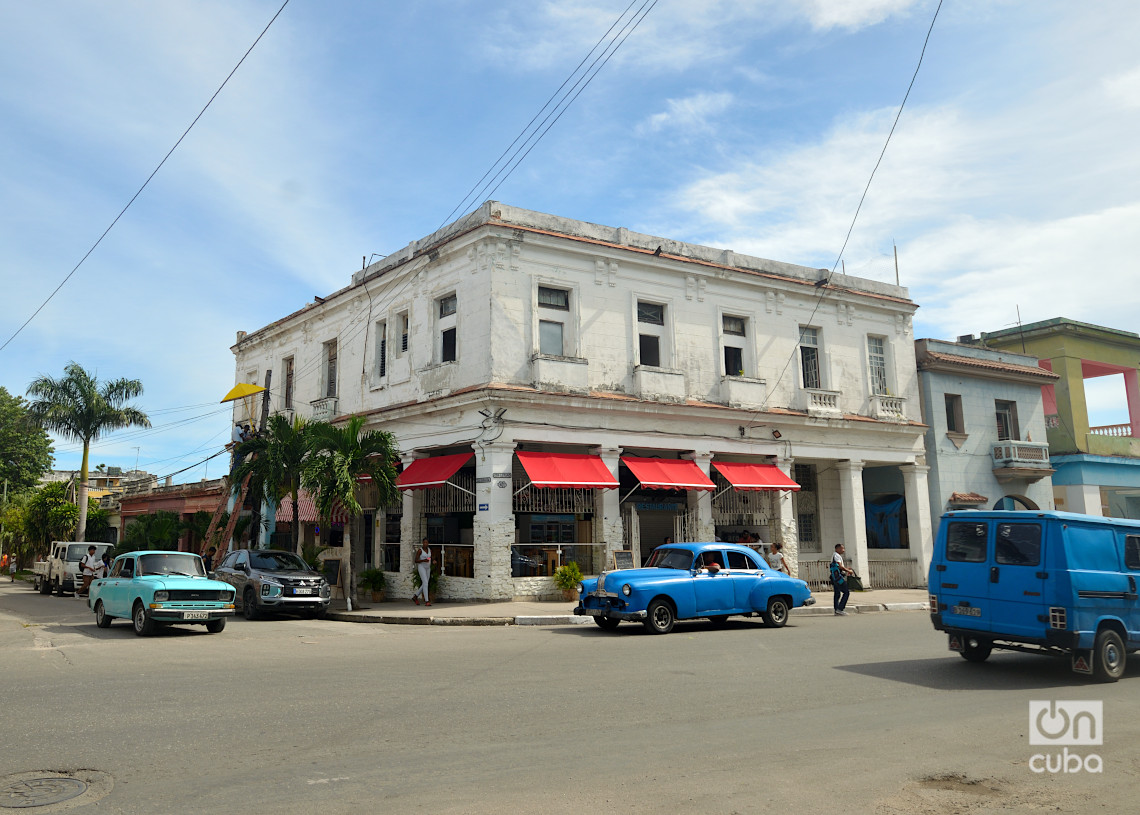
<point>410,531</point>
<point>701,500</point>
<point>854,517</point>
<point>607,510</point>
<point>918,520</point>
<point>494,526</point>
<point>1083,499</point>
<point>784,528</point>
<point>1132,392</point>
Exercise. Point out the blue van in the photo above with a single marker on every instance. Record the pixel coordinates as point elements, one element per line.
<point>1042,582</point>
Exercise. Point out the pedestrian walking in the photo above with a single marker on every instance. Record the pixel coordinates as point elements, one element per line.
<point>89,566</point>
<point>423,566</point>
<point>12,567</point>
<point>839,574</point>
<point>776,559</point>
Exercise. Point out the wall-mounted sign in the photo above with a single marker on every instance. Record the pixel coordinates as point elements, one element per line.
<point>484,480</point>
<point>658,507</point>
<point>484,507</point>
<point>500,475</point>
<point>501,484</point>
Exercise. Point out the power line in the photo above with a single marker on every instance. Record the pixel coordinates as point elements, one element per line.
<point>145,183</point>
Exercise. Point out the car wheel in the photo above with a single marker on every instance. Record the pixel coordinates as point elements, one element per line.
<point>659,617</point>
<point>1108,656</point>
<point>976,650</point>
<point>216,626</point>
<point>102,619</point>
<point>249,604</point>
<point>44,586</point>
<point>776,615</point>
<point>719,621</point>
<point>144,625</point>
<point>608,623</point>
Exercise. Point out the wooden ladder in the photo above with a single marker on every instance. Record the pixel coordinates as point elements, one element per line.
<point>224,543</point>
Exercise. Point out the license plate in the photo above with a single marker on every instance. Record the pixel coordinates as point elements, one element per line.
<point>302,591</point>
<point>195,615</point>
<point>968,611</point>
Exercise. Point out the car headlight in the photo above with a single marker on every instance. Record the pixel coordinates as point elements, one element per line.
<point>325,590</point>
<point>161,596</point>
<point>626,589</point>
<point>581,588</point>
<point>227,596</point>
<point>269,588</point>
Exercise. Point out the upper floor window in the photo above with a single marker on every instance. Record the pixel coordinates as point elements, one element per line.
<point>1006,420</point>
<point>554,298</point>
<point>550,338</point>
<point>809,357</point>
<point>733,325</point>
<point>652,313</point>
<point>287,401</point>
<point>447,305</point>
<point>877,364</point>
<point>382,348</point>
<point>733,330</point>
<point>954,420</point>
<point>330,368</point>
<point>447,348</point>
<point>404,332</point>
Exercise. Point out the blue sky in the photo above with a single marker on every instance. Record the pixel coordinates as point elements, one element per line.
<point>356,127</point>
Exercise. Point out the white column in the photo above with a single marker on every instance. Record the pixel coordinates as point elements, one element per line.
<point>784,525</point>
<point>918,519</point>
<point>607,510</point>
<point>494,526</point>
<point>854,518</point>
<point>1083,498</point>
<point>410,528</point>
<point>701,500</point>
<point>1132,392</point>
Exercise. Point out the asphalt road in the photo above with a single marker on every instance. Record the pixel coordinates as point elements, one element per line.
<point>868,713</point>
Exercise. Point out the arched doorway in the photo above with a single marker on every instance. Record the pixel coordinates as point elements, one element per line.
<point>1012,502</point>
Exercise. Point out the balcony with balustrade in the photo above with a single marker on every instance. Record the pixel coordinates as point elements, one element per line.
<point>888,408</point>
<point>820,403</point>
<point>324,409</point>
<point>1021,460</point>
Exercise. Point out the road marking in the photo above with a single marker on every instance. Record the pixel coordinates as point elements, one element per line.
<point>326,780</point>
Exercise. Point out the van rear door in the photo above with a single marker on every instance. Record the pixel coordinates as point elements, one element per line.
<point>1017,580</point>
<point>1132,566</point>
<point>964,587</point>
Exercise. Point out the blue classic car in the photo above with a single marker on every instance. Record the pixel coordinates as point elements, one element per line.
<point>684,581</point>
<point>160,588</point>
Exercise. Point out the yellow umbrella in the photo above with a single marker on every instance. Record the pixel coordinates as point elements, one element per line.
<point>241,391</point>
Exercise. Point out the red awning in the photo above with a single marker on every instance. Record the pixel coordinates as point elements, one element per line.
<point>755,477</point>
<point>431,472</point>
<point>306,510</point>
<point>567,470</point>
<point>668,473</point>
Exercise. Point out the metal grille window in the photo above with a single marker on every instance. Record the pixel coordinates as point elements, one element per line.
<point>404,333</point>
<point>877,362</point>
<point>447,305</point>
<point>652,313</point>
<point>809,357</point>
<point>382,348</point>
<point>554,298</point>
<point>805,522</point>
<point>804,475</point>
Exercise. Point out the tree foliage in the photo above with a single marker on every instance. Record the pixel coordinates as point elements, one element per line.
<point>158,530</point>
<point>80,408</point>
<point>276,460</point>
<point>25,447</point>
<point>49,516</point>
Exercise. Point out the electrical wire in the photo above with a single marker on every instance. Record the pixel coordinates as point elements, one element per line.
<point>145,183</point>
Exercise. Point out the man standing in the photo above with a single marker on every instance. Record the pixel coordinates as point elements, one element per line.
<point>839,573</point>
<point>90,566</point>
<point>209,558</point>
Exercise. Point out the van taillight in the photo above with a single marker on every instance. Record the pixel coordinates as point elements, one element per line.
<point>1058,619</point>
<point>934,604</point>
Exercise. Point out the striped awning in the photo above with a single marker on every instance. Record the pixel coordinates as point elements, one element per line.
<point>306,510</point>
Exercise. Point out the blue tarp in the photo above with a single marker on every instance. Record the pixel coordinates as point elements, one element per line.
<point>883,525</point>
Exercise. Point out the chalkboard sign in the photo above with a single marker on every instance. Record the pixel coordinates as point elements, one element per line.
<point>623,559</point>
<point>332,572</point>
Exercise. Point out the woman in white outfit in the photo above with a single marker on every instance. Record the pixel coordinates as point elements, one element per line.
<point>423,566</point>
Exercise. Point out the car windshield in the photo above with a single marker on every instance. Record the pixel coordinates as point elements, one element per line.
<point>277,561</point>
<point>663,558</point>
<point>182,563</point>
<point>75,552</point>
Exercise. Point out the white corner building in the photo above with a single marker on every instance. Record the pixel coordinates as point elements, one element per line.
<point>562,390</point>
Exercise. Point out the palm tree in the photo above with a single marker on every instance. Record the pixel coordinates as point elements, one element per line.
<point>340,456</point>
<point>276,459</point>
<point>78,408</point>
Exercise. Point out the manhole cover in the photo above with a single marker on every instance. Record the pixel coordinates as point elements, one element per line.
<point>56,790</point>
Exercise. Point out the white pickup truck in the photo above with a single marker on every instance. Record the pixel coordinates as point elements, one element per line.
<point>60,572</point>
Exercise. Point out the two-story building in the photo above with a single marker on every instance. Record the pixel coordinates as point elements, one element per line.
<point>561,390</point>
<point>985,438</point>
<point>1097,467</point>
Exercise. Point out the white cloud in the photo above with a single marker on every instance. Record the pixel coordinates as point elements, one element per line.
<point>851,14</point>
<point>1124,88</point>
<point>689,114</point>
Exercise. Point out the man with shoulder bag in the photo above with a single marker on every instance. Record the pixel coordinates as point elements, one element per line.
<point>839,585</point>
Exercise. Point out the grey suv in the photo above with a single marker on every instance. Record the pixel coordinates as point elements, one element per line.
<point>274,580</point>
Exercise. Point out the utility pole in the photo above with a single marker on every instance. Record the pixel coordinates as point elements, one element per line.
<point>255,516</point>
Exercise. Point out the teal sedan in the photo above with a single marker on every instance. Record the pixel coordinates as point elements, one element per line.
<point>153,589</point>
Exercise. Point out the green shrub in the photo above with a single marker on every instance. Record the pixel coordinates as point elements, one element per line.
<point>567,577</point>
<point>373,580</point>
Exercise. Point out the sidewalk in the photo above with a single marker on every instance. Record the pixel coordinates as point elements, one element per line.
<point>404,612</point>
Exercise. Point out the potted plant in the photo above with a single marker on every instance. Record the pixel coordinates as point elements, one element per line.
<point>373,580</point>
<point>434,582</point>
<point>567,578</point>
